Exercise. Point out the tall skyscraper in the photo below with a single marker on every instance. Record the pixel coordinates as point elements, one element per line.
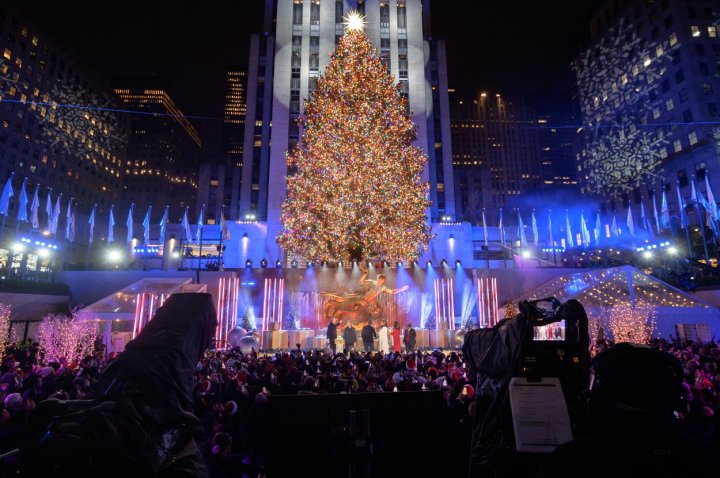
<point>648,88</point>
<point>161,167</point>
<point>233,139</point>
<point>285,63</point>
<point>496,152</point>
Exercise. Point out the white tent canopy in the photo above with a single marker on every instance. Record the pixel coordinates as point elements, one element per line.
<point>677,313</point>
<point>121,305</point>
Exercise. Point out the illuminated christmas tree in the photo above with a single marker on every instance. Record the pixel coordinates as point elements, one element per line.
<point>356,192</point>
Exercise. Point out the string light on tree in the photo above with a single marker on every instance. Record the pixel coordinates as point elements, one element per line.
<point>355,192</point>
<point>4,326</point>
<point>65,337</point>
<point>630,323</point>
<point>511,310</point>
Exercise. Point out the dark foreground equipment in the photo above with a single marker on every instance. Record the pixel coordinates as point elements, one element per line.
<point>141,423</point>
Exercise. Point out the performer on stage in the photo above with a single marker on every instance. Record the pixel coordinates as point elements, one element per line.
<point>384,338</point>
<point>396,337</point>
<point>332,333</point>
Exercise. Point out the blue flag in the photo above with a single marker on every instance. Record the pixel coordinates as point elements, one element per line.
<point>22,210</point>
<point>6,195</point>
<point>146,226</point>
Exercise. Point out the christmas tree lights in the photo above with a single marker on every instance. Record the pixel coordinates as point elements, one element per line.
<point>356,192</point>
<point>4,327</point>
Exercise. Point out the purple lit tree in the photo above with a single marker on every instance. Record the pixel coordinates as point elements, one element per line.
<point>65,337</point>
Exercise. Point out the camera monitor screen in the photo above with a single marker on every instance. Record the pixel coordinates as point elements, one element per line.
<point>554,331</point>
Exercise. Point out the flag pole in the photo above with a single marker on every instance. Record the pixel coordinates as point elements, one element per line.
<point>700,221</point>
<point>92,231</point>
<point>200,238</point>
<point>689,242</point>
<point>87,259</point>
<point>683,214</point>
<point>17,221</point>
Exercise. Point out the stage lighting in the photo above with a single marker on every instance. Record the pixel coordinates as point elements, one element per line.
<point>278,263</point>
<point>18,247</point>
<point>452,237</point>
<point>399,265</point>
<point>263,263</point>
<point>443,263</point>
<point>310,264</point>
<point>248,263</point>
<point>457,262</point>
<point>429,263</point>
<point>647,254</point>
<point>672,250</point>
<point>526,254</point>
<point>245,236</point>
<point>294,264</point>
<point>114,255</point>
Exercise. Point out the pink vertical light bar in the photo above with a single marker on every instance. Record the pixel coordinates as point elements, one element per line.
<point>495,300</point>
<point>218,328</point>
<point>271,304</point>
<point>488,302</point>
<point>221,333</point>
<point>273,314</point>
<point>276,285</point>
<point>265,305</point>
<point>139,306</point>
<point>236,295</point>
<point>443,295</point>
<point>282,290</point>
<point>151,309</point>
<point>451,292</point>
<point>481,317</point>
<point>437,305</point>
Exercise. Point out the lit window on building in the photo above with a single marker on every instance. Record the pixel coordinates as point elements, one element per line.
<point>692,138</point>
<point>712,31</point>
<point>695,30</point>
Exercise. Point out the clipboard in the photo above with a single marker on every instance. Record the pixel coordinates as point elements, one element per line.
<point>540,417</point>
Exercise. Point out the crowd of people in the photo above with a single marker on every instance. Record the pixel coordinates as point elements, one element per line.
<point>232,388</point>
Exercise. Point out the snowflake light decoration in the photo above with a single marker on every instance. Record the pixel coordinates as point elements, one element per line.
<point>80,123</point>
<point>618,82</point>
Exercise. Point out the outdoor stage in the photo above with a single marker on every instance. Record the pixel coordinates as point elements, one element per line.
<point>285,307</point>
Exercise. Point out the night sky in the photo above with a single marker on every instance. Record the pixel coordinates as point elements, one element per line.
<point>517,48</point>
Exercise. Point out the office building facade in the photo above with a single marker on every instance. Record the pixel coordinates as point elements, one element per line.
<point>496,153</point>
<point>161,168</point>
<point>649,86</point>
